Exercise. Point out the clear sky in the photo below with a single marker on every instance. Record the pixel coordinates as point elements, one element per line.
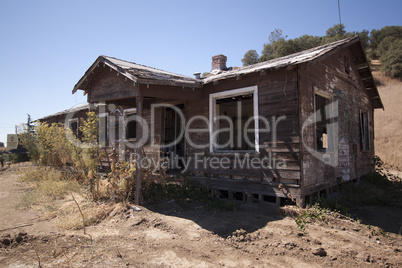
<point>46,46</point>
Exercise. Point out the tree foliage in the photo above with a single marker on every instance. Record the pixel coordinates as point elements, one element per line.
<point>385,45</point>
<point>364,37</point>
<point>251,57</point>
<point>276,36</point>
<point>336,30</point>
<point>279,46</point>
<point>378,36</point>
<point>28,137</point>
<point>381,44</point>
<point>391,58</point>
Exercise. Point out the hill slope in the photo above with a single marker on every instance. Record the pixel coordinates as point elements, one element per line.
<point>388,123</point>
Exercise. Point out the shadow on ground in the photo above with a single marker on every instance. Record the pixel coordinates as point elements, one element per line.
<point>247,216</point>
<point>386,218</point>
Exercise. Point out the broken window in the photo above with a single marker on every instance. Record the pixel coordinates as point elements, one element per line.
<point>73,125</point>
<point>364,131</point>
<point>322,121</point>
<point>233,117</point>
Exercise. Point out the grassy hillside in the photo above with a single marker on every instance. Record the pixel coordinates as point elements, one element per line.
<point>388,123</point>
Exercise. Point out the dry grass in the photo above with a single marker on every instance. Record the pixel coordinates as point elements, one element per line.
<point>69,216</point>
<point>50,189</point>
<point>388,123</point>
<point>48,185</point>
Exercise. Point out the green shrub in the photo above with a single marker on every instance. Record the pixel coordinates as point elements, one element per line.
<point>311,214</point>
<point>18,158</point>
<point>154,192</point>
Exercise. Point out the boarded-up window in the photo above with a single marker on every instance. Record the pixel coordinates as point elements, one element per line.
<point>364,131</point>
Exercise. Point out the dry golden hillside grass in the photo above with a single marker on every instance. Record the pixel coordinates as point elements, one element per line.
<point>388,122</point>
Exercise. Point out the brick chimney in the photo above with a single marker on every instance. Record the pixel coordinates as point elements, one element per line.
<point>219,62</point>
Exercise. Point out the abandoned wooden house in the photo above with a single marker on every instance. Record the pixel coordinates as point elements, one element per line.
<point>294,126</point>
<point>78,112</point>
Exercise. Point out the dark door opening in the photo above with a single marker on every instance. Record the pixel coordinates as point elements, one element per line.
<point>173,138</point>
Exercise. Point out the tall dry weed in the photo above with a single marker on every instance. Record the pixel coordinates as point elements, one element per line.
<point>69,217</point>
<point>48,185</point>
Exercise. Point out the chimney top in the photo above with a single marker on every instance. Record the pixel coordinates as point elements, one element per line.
<point>219,62</point>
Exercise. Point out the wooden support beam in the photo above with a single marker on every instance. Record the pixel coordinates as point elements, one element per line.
<point>249,197</point>
<point>301,202</point>
<point>230,195</point>
<point>278,201</point>
<point>138,187</point>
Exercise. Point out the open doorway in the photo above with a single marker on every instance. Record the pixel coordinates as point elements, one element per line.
<point>173,138</point>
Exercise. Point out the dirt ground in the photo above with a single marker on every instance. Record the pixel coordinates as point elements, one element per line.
<point>167,235</point>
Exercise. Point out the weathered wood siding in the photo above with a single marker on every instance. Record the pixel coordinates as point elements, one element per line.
<point>277,96</point>
<point>329,75</point>
<point>106,85</point>
<point>151,148</point>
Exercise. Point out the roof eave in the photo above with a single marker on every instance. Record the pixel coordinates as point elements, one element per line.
<point>376,99</point>
<point>170,82</point>
<point>377,102</point>
<point>105,62</point>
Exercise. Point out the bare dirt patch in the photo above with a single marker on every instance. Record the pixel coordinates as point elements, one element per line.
<point>167,235</point>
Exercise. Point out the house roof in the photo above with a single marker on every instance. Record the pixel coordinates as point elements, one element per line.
<point>148,75</point>
<point>311,55</point>
<point>138,74</point>
<point>292,59</point>
<point>80,107</point>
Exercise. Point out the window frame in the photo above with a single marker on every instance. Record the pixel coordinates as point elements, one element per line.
<point>364,139</point>
<point>329,120</point>
<point>212,115</point>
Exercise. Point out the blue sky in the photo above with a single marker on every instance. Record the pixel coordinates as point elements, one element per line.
<point>46,46</point>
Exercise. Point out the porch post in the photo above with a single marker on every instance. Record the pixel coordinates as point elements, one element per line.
<point>138,188</point>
